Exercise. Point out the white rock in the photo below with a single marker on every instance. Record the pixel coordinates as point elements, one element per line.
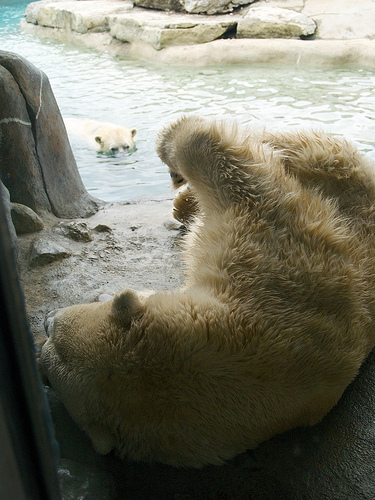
<point>335,19</point>
<point>73,15</point>
<point>213,6</point>
<point>297,5</point>
<point>274,22</point>
<point>342,19</point>
<point>31,12</point>
<point>160,30</point>
<point>194,6</point>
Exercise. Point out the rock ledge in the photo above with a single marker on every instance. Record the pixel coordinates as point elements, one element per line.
<point>119,28</point>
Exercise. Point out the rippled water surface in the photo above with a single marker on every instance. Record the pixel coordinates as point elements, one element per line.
<point>102,87</point>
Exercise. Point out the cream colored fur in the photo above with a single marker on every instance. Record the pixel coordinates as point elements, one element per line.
<point>275,318</point>
<point>104,136</point>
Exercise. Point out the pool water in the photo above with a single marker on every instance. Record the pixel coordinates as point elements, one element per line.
<point>87,84</point>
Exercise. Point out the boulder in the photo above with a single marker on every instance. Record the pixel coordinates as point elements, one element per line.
<point>75,16</point>
<point>274,22</point>
<point>77,231</point>
<point>37,165</point>
<point>7,207</point>
<point>44,251</point>
<point>25,220</point>
<point>214,6</point>
<point>194,6</point>
<point>160,30</point>
<point>168,5</point>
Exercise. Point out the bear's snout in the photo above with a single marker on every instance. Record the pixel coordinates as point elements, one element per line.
<point>49,323</point>
<point>120,149</point>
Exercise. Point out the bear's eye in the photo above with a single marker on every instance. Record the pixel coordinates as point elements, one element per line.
<point>114,150</point>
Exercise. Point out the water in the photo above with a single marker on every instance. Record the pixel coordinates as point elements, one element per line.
<point>102,87</point>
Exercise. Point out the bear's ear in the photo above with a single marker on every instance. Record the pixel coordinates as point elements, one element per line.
<point>126,307</point>
<point>98,139</point>
<point>133,132</point>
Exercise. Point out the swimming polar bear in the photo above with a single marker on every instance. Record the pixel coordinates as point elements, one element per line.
<point>275,318</point>
<point>105,136</point>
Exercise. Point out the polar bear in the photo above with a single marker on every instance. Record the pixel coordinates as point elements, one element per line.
<point>273,322</point>
<point>106,137</point>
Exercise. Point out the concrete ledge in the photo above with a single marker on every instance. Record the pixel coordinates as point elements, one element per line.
<point>357,53</point>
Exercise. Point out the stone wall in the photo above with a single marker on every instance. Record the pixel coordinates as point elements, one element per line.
<point>37,165</point>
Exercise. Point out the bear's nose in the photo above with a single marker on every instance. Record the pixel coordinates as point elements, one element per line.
<point>49,323</point>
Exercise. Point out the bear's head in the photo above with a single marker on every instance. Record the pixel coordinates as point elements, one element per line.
<point>85,360</point>
<point>115,139</point>
<point>135,379</point>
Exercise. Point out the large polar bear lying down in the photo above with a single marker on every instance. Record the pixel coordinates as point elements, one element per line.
<point>276,316</point>
<point>106,137</point>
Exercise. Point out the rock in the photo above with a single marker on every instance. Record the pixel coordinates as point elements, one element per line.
<point>44,252</point>
<point>77,231</point>
<point>7,207</point>
<point>174,5</point>
<point>75,16</point>
<point>273,22</point>
<point>102,228</point>
<point>104,297</point>
<point>214,6</point>
<point>36,162</point>
<point>173,225</point>
<point>355,54</point>
<point>152,27</point>
<point>25,220</point>
<point>194,6</point>
<point>352,22</point>
<point>342,19</point>
<point>297,5</point>
<point>17,146</point>
<point>160,31</point>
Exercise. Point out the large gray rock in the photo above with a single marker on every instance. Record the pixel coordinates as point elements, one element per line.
<point>274,22</point>
<point>36,161</point>
<point>77,231</point>
<point>139,26</point>
<point>194,6</point>
<point>159,30</point>
<point>44,251</point>
<point>213,6</point>
<point>7,207</point>
<point>25,220</point>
